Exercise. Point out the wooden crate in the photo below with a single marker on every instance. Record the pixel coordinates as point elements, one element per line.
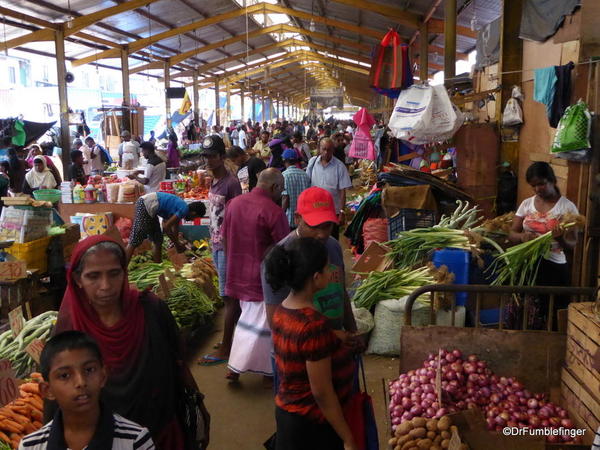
<point>580,387</point>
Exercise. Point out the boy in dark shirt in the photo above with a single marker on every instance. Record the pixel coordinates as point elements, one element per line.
<point>249,167</point>
<point>76,172</point>
<point>74,376</point>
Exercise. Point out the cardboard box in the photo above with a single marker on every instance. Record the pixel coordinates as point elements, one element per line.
<point>373,259</point>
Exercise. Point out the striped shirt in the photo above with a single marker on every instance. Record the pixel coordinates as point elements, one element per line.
<point>295,181</point>
<point>301,335</point>
<point>113,432</point>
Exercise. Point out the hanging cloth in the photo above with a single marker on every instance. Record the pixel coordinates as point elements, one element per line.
<point>544,87</point>
<point>390,68</point>
<point>562,94</point>
<point>540,19</point>
<point>19,136</point>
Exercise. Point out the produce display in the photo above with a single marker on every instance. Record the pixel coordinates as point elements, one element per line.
<point>189,305</point>
<point>397,283</point>
<point>144,273</point>
<point>518,265</point>
<point>23,415</point>
<point>421,433</point>
<point>468,383</point>
<point>464,217</point>
<point>13,348</point>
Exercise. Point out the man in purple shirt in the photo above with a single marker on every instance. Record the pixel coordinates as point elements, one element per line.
<point>254,222</point>
<point>225,186</point>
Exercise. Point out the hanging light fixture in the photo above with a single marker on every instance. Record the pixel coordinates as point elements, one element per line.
<point>474,22</point>
<point>70,18</point>
<point>311,26</point>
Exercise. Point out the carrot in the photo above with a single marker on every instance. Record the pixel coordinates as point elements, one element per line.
<point>36,375</point>
<point>4,437</point>
<point>36,402</point>
<point>24,410</point>
<point>32,388</point>
<point>36,415</point>
<point>29,428</point>
<point>21,419</point>
<point>37,424</point>
<point>11,426</point>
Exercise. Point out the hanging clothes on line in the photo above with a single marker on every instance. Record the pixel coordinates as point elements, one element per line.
<point>562,95</point>
<point>541,19</point>
<point>544,86</point>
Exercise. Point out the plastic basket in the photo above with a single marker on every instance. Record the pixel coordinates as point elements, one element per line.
<point>47,195</point>
<point>33,253</point>
<point>409,219</point>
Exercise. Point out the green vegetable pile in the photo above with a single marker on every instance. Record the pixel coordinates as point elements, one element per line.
<point>13,348</point>
<point>391,284</point>
<point>189,304</point>
<point>144,273</point>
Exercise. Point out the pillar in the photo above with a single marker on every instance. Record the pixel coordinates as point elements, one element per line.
<point>126,90</point>
<point>217,103</point>
<point>423,53</point>
<point>228,110</point>
<point>243,102</point>
<point>450,40</point>
<point>61,72</point>
<point>263,107</point>
<point>253,106</point>
<point>167,76</point>
<point>196,98</point>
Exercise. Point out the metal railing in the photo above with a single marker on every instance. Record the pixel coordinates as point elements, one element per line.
<point>552,292</point>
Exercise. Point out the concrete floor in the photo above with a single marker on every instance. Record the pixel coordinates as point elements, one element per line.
<point>243,414</point>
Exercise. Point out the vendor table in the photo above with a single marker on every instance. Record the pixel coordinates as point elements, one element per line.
<point>118,210</point>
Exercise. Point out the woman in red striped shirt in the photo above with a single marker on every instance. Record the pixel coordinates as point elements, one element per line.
<point>316,369</point>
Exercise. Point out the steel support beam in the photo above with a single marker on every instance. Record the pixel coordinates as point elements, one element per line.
<point>167,78</point>
<point>423,53</point>
<point>61,72</point>
<point>125,85</point>
<point>196,99</point>
<point>450,40</point>
<point>217,103</point>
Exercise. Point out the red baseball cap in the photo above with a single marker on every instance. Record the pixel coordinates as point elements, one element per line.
<point>316,206</point>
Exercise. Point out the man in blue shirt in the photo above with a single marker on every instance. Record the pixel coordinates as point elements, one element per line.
<point>295,182</point>
<point>146,224</point>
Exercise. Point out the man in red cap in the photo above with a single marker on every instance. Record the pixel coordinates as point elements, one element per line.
<point>315,217</point>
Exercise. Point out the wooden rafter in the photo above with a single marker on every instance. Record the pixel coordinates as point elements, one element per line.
<point>77,24</point>
<point>403,17</point>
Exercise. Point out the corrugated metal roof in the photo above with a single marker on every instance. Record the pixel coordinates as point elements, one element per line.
<point>163,15</point>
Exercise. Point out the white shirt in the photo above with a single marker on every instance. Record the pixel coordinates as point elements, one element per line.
<point>87,159</point>
<point>242,140</point>
<point>154,175</point>
<point>333,177</point>
<point>538,223</point>
<point>96,162</point>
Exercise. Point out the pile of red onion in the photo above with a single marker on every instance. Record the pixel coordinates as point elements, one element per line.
<point>468,383</point>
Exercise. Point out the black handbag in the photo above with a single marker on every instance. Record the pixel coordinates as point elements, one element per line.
<point>195,420</point>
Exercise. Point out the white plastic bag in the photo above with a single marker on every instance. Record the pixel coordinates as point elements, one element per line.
<point>413,108</point>
<point>513,114</point>
<point>364,320</point>
<point>425,114</point>
<point>389,319</point>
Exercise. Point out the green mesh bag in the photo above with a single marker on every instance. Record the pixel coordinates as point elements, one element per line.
<point>573,131</point>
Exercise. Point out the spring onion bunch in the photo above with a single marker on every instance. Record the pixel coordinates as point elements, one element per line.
<point>391,284</point>
<point>463,218</point>
<point>519,265</point>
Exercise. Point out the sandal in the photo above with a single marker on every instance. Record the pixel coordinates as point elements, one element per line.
<point>208,360</point>
<point>232,376</point>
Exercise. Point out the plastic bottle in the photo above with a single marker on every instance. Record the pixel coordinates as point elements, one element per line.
<point>100,196</point>
<point>78,194</point>
<point>90,194</point>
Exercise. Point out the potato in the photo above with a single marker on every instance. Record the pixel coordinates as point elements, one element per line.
<point>437,440</point>
<point>416,433</point>
<point>397,447</point>
<point>404,428</point>
<point>409,444</point>
<point>431,435</point>
<point>424,444</point>
<point>446,435</point>
<point>404,439</point>
<point>393,441</point>
<point>432,425</point>
<point>435,447</point>
<point>445,443</point>
<point>444,423</point>
<point>419,422</point>
<point>464,447</point>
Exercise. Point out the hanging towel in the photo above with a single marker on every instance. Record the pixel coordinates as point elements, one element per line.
<point>541,19</point>
<point>562,96</point>
<point>19,136</point>
<point>544,87</point>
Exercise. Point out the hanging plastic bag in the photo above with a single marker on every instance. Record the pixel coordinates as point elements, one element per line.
<point>362,146</point>
<point>513,114</point>
<point>573,131</point>
<point>413,108</point>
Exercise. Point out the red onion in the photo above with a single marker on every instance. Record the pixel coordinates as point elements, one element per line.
<point>534,421</point>
<point>554,421</point>
<point>472,358</point>
<point>430,412</point>
<point>544,423</point>
<point>544,413</point>
<point>416,410</point>
<point>532,403</point>
<point>567,423</point>
<point>469,368</point>
<point>406,402</point>
<point>553,438</point>
<point>440,413</point>
<point>563,414</point>
<point>457,353</point>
